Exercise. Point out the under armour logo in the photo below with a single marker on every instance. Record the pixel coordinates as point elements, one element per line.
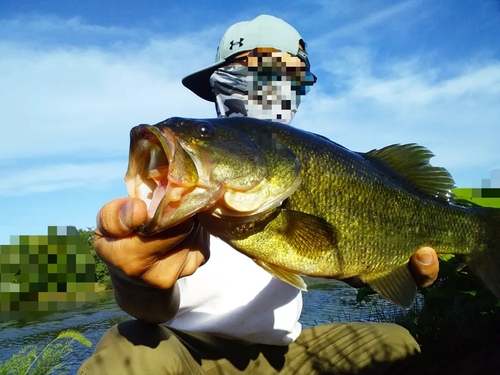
<point>232,43</point>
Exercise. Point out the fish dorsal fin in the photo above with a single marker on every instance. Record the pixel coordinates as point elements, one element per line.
<point>284,275</point>
<point>397,285</point>
<point>412,161</point>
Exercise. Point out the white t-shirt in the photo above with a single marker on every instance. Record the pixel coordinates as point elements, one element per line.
<point>231,296</point>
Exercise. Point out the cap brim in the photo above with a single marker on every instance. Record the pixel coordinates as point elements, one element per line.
<point>199,82</point>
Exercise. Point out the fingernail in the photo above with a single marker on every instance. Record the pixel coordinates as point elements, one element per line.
<point>126,215</point>
<point>424,258</point>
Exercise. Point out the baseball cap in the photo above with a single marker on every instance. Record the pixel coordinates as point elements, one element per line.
<point>263,31</point>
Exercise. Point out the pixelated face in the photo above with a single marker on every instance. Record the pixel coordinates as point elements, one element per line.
<point>276,81</point>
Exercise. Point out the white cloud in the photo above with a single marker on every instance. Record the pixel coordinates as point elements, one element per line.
<point>49,25</point>
<point>64,106</point>
<point>423,89</point>
<point>58,177</point>
<point>69,100</point>
<point>371,19</point>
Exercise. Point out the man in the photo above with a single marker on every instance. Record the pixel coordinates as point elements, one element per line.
<point>229,316</point>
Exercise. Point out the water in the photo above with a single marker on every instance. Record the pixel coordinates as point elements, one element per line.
<point>334,302</point>
<point>92,321</point>
<point>325,302</point>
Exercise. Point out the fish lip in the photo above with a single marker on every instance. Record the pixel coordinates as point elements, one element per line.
<point>151,133</point>
<point>148,143</point>
<point>151,158</point>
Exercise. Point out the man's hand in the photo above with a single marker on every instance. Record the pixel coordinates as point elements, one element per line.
<point>144,270</point>
<point>424,267</point>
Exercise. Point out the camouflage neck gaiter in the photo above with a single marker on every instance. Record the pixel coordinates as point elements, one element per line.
<point>240,92</point>
<point>230,87</point>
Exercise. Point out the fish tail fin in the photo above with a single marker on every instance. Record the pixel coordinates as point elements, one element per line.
<point>486,264</point>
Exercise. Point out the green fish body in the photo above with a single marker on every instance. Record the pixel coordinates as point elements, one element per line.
<point>313,207</point>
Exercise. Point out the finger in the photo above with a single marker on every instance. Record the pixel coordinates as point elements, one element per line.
<point>135,254</point>
<point>424,266</point>
<point>121,216</point>
<point>199,246</point>
<point>181,261</point>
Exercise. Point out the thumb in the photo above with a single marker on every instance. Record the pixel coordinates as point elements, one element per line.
<point>121,217</point>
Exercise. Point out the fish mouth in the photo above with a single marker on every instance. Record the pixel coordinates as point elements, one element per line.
<point>162,174</point>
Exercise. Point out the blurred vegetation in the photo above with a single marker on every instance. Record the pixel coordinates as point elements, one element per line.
<point>457,301</point>
<point>456,322</point>
<point>101,269</point>
<point>457,319</point>
<point>457,306</point>
<point>51,359</point>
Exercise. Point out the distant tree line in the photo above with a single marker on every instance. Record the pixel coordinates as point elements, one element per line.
<point>101,269</point>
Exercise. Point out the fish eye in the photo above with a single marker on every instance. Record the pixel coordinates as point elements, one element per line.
<point>204,129</point>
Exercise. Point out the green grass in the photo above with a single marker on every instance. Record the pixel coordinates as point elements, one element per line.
<point>52,358</point>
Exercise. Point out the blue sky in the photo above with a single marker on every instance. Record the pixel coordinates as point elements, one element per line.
<point>76,76</point>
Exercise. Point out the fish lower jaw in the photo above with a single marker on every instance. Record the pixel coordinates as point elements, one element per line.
<point>173,204</point>
<point>154,197</point>
<point>165,195</point>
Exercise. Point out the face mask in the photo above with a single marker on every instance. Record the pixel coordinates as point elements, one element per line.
<point>231,90</point>
<point>258,93</point>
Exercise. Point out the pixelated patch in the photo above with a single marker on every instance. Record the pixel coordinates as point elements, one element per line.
<point>45,273</point>
<point>270,66</point>
<point>486,197</point>
<point>486,193</point>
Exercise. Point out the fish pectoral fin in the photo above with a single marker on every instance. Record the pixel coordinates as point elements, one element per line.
<point>284,275</point>
<point>397,285</point>
<point>306,233</point>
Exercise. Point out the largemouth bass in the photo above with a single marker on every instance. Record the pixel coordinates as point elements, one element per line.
<point>298,203</point>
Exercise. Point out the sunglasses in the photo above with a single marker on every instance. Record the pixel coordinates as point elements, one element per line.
<point>271,64</point>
